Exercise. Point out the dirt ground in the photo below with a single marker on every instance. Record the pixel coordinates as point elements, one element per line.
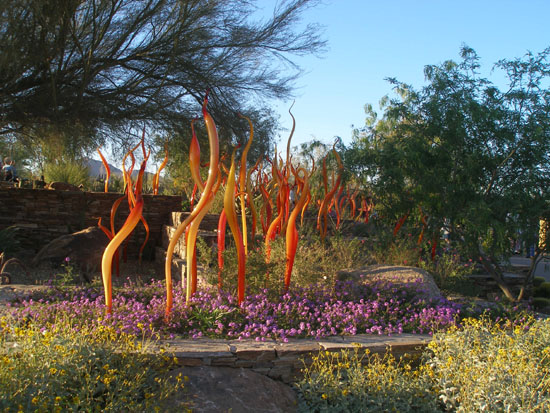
<point>45,273</point>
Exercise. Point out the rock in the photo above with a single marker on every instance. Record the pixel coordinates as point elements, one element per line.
<point>63,186</point>
<point>399,275</point>
<point>226,389</point>
<point>84,248</point>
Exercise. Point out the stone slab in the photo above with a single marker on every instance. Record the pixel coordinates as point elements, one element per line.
<point>198,349</point>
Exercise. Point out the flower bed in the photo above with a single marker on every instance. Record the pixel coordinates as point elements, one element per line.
<point>315,311</point>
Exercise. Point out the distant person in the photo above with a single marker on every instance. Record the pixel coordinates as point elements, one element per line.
<point>10,173</point>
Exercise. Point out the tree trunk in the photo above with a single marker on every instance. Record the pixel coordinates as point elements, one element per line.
<point>531,274</point>
<point>495,272</point>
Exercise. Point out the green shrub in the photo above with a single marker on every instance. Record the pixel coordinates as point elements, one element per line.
<point>49,369</point>
<point>491,367</point>
<point>314,262</point>
<point>543,290</point>
<point>481,366</point>
<point>541,302</point>
<point>451,273</point>
<point>353,382</point>
<point>395,250</point>
<point>318,261</point>
<point>116,184</point>
<point>538,281</point>
<point>71,172</point>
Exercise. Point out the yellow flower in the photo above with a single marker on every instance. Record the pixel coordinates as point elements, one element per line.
<point>53,370</point>
<point>324,396</point>
<point>34,400</point>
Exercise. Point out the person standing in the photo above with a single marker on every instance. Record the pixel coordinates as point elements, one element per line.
<point>10,173</point>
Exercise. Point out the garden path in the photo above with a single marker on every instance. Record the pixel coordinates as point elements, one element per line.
<point>543,267</point>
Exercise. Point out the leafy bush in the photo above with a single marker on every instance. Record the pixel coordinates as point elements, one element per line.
<point>451,273</point>
<point>488,366</point>
<point>315,262</point>
<point>52,367</point>
<point>116,184</point>
<point>395,250</point>
<point>71,172</point>
<point>543,290</point>
<point>540,302</point>
<point>357,382</point>
<point>481,366</point>
<point>537,281</point>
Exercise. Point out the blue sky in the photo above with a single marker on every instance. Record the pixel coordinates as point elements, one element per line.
<point>372,40</point>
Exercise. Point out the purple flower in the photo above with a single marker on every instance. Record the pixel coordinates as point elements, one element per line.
<point>379,307</point>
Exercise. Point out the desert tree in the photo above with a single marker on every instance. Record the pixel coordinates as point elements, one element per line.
<point>475,158</point>
<point>79,72</point>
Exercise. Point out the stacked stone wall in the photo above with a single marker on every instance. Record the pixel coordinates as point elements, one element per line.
<point>42,215</point>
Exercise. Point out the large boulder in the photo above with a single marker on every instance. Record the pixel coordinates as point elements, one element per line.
<point>84,249</point>
<point>225,389</point>
<point>397,275</point>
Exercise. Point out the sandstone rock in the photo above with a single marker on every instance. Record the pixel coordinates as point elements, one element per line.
<point>400,275</point>
<point>84,248</point>
<point>225,389</point>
